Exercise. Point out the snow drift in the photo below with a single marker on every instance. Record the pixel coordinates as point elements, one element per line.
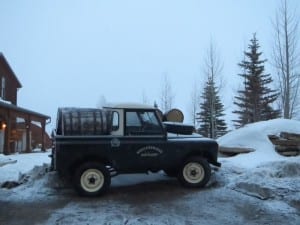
<point>256,136</point>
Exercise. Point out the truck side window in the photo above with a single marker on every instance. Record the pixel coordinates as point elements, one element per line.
<point>142,123</point>
<point>115,121</point>
<point>133,123</point>
<point>150,123</point>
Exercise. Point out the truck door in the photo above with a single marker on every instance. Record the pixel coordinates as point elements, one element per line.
<point>143,143</point>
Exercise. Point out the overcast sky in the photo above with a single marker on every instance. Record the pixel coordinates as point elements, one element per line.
<point>70,53</point>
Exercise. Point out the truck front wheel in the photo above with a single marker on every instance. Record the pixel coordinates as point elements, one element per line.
<point>195,172</point>
<point>91,179</point>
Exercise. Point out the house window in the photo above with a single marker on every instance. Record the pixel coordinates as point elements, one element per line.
<point>3,88</point>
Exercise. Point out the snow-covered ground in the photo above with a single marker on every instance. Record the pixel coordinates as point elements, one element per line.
<point>14,166</point>
<point>260,187</point>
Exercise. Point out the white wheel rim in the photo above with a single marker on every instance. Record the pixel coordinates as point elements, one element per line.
<point>193,172</point>
<point>92,180</point>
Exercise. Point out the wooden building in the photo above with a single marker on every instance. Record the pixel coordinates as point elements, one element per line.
<point>17,123</point>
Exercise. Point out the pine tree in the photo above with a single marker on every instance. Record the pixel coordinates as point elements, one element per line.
<point>211,112</point>
<point>255,100</point>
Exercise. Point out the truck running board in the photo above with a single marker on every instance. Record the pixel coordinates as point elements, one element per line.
<point>112,171</point>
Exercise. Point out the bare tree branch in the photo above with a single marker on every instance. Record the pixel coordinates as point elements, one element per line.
<point>286,58</point>
<point>166,95</point>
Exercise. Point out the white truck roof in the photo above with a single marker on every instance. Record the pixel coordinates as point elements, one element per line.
<point>128,106</point>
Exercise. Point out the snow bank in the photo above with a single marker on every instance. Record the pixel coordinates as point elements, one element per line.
<point>5,160</point>
<point>18,164</point>
<point>256,136</point>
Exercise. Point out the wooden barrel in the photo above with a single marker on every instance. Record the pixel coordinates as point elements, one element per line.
<point>83,121</point>
<point>173,115</point>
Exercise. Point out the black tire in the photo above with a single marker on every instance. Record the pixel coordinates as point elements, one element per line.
<point>194,173</point>
<point>91,179</point>
<point>171,172</point>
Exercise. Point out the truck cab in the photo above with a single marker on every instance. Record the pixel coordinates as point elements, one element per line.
<point>135,119</point>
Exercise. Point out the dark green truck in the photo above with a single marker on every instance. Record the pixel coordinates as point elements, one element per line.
<point>92,145</point>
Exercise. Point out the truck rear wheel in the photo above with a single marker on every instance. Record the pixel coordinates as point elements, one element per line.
<point>91,179</point>
<point>195,172</point>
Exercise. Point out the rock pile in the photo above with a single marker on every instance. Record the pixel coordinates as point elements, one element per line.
<point>286,144</point>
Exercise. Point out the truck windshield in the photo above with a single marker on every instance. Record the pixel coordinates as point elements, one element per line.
<point>142,123</point>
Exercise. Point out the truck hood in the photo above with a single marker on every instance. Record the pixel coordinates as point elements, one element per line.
<point>191,137</point>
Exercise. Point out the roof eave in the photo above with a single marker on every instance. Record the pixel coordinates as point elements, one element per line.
<point>23,110</point>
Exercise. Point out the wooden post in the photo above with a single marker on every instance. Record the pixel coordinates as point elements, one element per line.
<point>28,129</point>
<point>43,135</point>
<point>7,133</point>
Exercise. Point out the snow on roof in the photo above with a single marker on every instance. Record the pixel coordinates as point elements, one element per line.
<point>256,136</point>
<point>20,109</point>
